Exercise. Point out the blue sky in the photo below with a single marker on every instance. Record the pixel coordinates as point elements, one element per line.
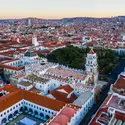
<point>61,8</point>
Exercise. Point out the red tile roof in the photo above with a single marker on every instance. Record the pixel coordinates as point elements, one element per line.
<point>63,96</point>
<point>16,94</point>
<point>12,67</point>
<point>64,116</point>
<point>120,83</point>
<point>91,51</point>
<point>119,116</point>
<point>94,122</point>
<point>119,86</point>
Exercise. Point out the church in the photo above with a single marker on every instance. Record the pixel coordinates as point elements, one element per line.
<point>48,81</point>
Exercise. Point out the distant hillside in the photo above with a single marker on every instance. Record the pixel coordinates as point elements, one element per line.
<point>122,16</point>
<point>63,21</point>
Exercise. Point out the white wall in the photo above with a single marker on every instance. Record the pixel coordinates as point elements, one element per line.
<point>24,87</point>
<point>24,103</point>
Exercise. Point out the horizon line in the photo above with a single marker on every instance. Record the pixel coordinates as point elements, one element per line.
<point>57,18</point>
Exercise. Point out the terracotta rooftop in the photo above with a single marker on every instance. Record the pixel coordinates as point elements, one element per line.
<point>16,94</point>
<point>120,83</point>
<point>12,67</point>
<point>113,102</point>
<point>67,73</point>
<point>91,51</point>
<point>119,116</point>
<point>64,116</point>
<point>33,89</point>
<point>62,93</point>
<point>119,86</point>
<point>94,122</point>
<point>43,101</point>
<point>20,76</point>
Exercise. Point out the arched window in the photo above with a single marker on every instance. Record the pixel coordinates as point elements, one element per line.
<point>10,116</point>
<point>30,110</point>
<point>21,109</point>
<point>4,120</point>
<point>47,117</point>
<point>36,113</point>
<point>41,115</point>
<point>25,108</point>
<point>15,113</point>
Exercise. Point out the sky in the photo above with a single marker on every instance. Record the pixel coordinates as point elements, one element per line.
<point>54,9</point>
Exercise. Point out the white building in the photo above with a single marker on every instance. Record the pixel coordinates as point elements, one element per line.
<point>34,41</point>
<point>92,65</point>
<point>17,101</point>
<point>123,38</point>
<point>29,22</point>
<point>48,77</point>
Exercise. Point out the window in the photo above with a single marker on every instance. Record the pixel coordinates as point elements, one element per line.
<point>4,113</point>
<point>1,115</point>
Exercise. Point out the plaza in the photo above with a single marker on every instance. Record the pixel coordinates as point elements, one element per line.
<point>25,119</point>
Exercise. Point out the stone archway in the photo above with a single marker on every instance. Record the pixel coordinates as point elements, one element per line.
<point>25,109</point>
<point>15,113</point>
<point>41,115</point>
<point>21,109</point>
<point>48,91</point>
<point>30,110</point>
<point>47,117</point>
<point>35,113</point>
<point>3,120</point>
<point>10,117</point>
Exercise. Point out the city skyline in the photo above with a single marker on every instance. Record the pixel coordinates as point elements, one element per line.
<point>57,9</point>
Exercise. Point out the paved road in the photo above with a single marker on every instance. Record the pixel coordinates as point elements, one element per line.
<point>112,78</point>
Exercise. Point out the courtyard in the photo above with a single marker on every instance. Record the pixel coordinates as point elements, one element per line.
<point>26,119</point>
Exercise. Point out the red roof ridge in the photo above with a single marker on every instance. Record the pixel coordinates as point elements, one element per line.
<point>91,51</point>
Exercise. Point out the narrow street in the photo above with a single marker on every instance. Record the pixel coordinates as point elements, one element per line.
<point>112,78</point>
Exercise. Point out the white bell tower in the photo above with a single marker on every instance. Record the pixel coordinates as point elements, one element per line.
<point>34,40</point>
<point>92,65</point>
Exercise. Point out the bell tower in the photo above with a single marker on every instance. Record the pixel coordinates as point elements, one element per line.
<point>92,65</point>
